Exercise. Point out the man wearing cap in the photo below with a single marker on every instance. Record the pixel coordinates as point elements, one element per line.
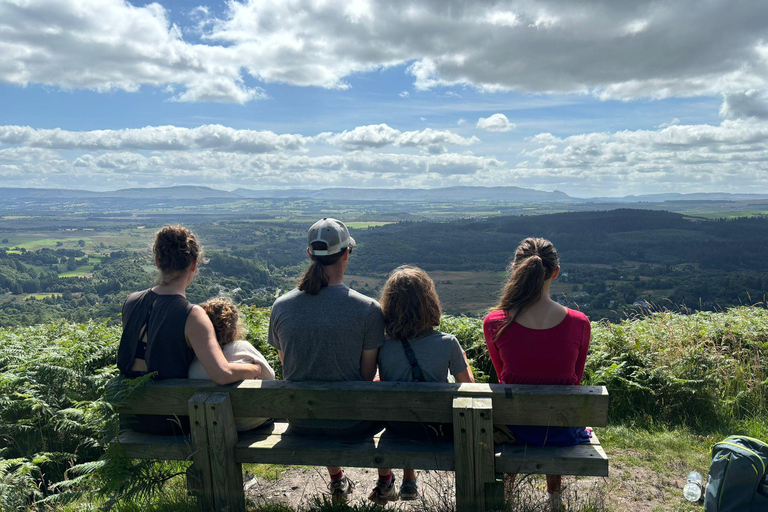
<point>325,331</point>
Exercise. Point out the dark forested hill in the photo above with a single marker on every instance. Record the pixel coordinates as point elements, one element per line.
<point>583,237</point>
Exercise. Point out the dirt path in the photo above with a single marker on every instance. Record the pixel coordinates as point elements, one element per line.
<point>630,488</point>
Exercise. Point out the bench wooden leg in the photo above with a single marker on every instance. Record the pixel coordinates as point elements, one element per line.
<point>487,487</point>
<point>477,487</point>
<point>199,479</point>
<point>227,474</point>
<point>463,429</point>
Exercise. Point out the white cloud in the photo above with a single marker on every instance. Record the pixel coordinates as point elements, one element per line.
<point>672,122</point>
<point>691,158</point>
<point>222,138</point>
<point>218,169</point>
<point>615,50</point>
<point>404,94</point>
<point>157,138</point>
<point>495,123</point>
<point>107,45</point>
<point>380,135</point>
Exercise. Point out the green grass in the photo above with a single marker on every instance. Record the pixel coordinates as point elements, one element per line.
<point>671,452</point>
<point>40,243</point>
<point>81,271</point>
<point>38,296</point>
<point>267,471</point>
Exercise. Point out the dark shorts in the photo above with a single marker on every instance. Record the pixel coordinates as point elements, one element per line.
<point>550,436</point>
<point>330,428</point>
<point>421,431</point>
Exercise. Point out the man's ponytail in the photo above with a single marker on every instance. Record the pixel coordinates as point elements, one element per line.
<point>315,278</point>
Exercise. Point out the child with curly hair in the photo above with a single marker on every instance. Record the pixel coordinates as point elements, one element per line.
<point>230,333</point>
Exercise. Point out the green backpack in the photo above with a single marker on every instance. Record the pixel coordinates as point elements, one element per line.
<point>738,480</point>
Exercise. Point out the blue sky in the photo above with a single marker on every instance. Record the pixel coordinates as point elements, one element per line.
<point>612,98</point>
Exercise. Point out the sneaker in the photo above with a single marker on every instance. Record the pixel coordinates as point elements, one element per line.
<point>384,492</point>
<point>409,490</point>
<point>341,489</point>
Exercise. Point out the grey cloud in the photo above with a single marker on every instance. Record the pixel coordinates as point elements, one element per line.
<point>616,50</point>
<point>745,104</point>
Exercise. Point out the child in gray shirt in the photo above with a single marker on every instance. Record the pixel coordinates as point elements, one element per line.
<point>411,312</point>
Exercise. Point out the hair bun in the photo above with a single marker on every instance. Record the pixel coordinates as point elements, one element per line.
<point>175,249</point>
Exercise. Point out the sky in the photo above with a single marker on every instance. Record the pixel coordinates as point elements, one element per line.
<point>592,98</point>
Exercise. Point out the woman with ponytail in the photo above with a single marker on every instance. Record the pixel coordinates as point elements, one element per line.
<point>534,340</point>
<point>325,331</point>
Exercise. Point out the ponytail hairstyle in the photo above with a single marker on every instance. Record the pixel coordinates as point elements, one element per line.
<point>315,278</point>
<point>410,304</point>
<point>175,249</point>
<point>535,261</point>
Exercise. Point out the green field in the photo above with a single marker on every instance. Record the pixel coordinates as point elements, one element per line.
<point>734,214</point>
<point>32,243</point>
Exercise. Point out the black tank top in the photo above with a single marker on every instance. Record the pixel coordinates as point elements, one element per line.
<point>166,351</point>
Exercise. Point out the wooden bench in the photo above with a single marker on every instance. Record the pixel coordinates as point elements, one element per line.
<point>218,452</point>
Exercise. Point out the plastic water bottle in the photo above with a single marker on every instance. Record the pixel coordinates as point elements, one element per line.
<point>692,490</point>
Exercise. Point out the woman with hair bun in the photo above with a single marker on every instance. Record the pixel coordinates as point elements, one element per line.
<point>163,331</point>
<point>534,340</point>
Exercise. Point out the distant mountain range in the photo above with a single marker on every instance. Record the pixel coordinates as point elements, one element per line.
<point>449,194</point>
<point>453,194</point>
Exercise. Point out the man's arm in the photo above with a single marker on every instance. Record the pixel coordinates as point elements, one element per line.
<point>368,364</point>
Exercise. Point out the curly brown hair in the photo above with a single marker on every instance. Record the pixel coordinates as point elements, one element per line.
<point>410,303</point>
<point>225,319</point>
<point>175,249</point>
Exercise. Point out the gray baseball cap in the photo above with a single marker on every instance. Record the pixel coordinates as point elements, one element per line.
<point>333,233</point>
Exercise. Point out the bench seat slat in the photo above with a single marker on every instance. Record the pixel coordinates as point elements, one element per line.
<point>280,446</point>
<point>588,459</point>
<point>381,450</point>
<point>137,445</point>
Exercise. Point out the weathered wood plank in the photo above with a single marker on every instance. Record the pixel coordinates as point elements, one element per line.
<point>227,474</point>
<point>484,463</point>
<point>587,459</point>
<point>382,451</point>
<point>380,401</point>
<point>463,447</point>
<point>150,446</point>
<point>201,454</point>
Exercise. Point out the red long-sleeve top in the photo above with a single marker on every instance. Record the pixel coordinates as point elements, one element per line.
<point>522,355</point>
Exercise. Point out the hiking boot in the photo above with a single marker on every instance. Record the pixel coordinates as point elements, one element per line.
<point>409,490</point>
<point>341,489</point>
<point>384,492</point>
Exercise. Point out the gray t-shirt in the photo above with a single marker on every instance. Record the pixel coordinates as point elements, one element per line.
<point>436,353</point>
<point>323,336</point>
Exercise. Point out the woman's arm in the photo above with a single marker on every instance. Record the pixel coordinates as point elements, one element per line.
<point>582,359</point>
<point>202,339</point>
<point>493,351</point>
<point>368,364</point>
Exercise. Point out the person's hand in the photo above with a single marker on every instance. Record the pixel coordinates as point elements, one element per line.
<point>259,369</point>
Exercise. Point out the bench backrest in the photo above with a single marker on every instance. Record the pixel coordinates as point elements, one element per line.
<point>381,401</point>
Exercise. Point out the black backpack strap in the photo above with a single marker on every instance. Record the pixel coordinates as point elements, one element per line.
<point>415,368</point>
